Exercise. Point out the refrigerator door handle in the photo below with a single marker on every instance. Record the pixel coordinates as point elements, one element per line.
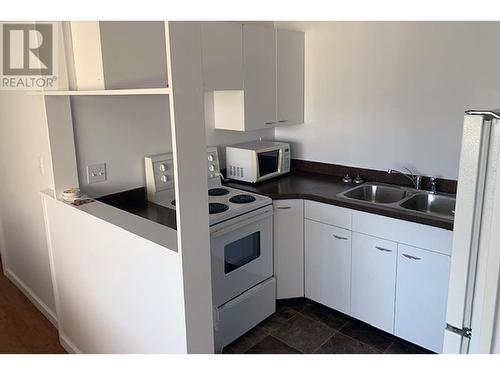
<point>464,332</point>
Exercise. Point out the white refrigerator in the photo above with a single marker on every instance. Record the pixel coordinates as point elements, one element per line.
<point>472,317</point>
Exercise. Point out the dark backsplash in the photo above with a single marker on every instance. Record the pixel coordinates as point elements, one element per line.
<point>373,175</point>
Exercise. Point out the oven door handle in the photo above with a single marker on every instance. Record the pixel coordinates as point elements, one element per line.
<point>250,220</point>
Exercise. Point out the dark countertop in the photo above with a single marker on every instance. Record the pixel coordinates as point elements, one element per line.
<point>324,188</point>
<point>134,201</point>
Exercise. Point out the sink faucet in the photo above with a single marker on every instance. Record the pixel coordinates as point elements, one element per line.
<point>416,180</point>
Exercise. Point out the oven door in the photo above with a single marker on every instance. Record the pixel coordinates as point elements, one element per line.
<point>242,254</point>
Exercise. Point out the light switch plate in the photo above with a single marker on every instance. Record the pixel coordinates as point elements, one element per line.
<point>96,173</point>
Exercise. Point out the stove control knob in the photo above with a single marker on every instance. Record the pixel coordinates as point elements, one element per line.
<point>163,167</point>
<point>210,158</point>
<point>211,168</point>
<point>164,178</point>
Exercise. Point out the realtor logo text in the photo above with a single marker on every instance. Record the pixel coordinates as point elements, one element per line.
<point>29,56</point>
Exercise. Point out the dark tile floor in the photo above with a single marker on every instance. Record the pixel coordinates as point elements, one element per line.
<point>303,326</point>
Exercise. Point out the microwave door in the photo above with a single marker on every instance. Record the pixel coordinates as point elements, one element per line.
<point>269,162</point>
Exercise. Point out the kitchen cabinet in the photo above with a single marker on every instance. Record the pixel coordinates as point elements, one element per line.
<point>239,69</point>
<point>259,65</point>
<point>289,77</point>
<point>222,53</point>
<point>328,265</point>
<point>253,75</point>
<point>328,214</point>
<point>421,295</point>
<point>390,273</point>
<point>373,280</point>
<point>289,248</point>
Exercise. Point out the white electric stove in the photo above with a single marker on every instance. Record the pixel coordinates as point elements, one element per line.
<point>241,246</point>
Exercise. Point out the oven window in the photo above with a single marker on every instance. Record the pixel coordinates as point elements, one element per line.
<point>241,252</point>
<point>268,162</point>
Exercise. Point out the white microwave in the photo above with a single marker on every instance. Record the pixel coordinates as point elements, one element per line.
<point>257,161</point>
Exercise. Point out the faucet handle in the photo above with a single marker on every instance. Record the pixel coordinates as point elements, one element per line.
<point>433,181</point>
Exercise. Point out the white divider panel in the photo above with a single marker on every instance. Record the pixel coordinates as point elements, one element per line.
<point>115,291</point>
<point>190,168</point>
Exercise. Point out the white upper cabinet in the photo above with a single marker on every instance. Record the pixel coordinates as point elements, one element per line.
<point>289,77</point>
<point>241,75</point>
<point>222,56</point>
<point>259,64</point>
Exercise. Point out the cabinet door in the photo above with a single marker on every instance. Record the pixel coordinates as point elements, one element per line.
<point>421,295</point>
<point>289,248</point>
<point>328,265</point>
<point>259,61</point>
<point>222,49</point>
<point>373,281</point>
<point>290,77</point>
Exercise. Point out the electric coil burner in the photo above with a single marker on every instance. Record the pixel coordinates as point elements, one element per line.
<point>242,198</point>
<point>216,192</point>
<point>215,208</point>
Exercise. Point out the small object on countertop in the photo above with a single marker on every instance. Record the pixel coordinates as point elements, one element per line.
<point>70,195</point>
<point>80,201</point>
<point>347,179</point>
<point>358,180</point>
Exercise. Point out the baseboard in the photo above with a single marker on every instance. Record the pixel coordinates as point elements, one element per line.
<point>68,345</point>
<point>44,309</point>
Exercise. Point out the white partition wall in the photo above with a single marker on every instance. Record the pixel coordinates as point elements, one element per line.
<point>189,148</point>
<point>97,314</point>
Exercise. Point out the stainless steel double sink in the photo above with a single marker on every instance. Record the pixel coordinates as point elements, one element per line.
<point>403,198</point>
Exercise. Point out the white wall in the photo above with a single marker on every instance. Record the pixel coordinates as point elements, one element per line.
<point>26,169</point>
<point>119,131</point>
<point>386,94</point>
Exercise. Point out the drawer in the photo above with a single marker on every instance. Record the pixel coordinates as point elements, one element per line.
<point>244,312</point>
<point>405,232</point>
<point>328,214</point>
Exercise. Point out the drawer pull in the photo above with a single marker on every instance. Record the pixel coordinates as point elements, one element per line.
<point>340,237</point>
<point>411,257</point>
<point>283,208</point>
<point>281,121</point>
<point>383,249</point>
<point>270,122</point>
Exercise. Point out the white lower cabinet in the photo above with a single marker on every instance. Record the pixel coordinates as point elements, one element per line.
<point>373,280</point>
<point>289,248</point>
<point>359,264</point>
<point>328,265</point>
<point>421,295</point>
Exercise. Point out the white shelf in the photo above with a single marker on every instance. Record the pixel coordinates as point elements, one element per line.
<point>156,91</point>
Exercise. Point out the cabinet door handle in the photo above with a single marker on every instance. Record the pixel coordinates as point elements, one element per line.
<point>411,257</point>
<point>383,249</point>
<point>270,122</point>
<point>283,208</point>
<point>283,121</point>
<point>340,237</point>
